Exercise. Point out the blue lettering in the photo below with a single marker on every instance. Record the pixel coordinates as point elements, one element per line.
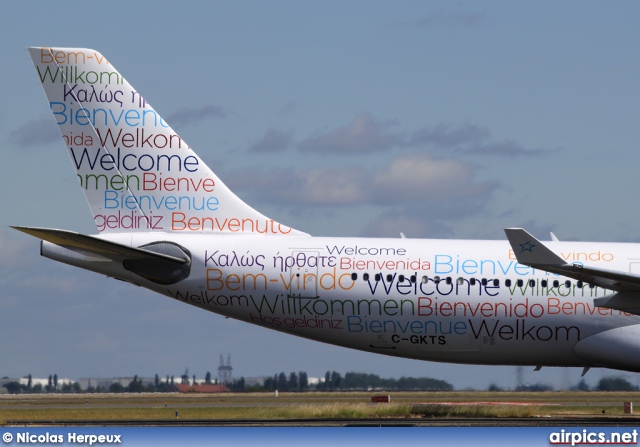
<point>443,260</point>
<point>354,324</point>
<point>109,197</point>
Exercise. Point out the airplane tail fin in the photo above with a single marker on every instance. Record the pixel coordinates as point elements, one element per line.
<point>136,172</point>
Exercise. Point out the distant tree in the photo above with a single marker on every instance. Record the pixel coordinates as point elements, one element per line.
<point>37,388</point>
<point>172,381</point>
<point>292,385</point>
<point>29,382</point>
<point>303,381</point>
<point>116,387</point>
<point>185,377</point>
<point>282,382</point>
<point>494,387</point>
<point>194,379</point>
<point>162,386</point>
<point>364,381</point>
<point>50,383</point>
<point>615,384</point>
<point>156,382</point>
<point>327,380</point>
<point>581,386</point>
<point>269,384</point>
<point>207,378</point>
<point>534,387</point>
<point>13,387</point>
<point>55,381</point>
<point>135,386</point>
<point>336,380</point>
<point>237,385</point>
<point>71,387</point>
<point>423,383</point>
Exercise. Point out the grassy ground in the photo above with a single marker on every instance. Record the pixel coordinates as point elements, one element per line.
<point>140,407</point>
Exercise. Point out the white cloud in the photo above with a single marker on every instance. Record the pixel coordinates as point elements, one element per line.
<point>439,19</point>
<point>471,139</point>
<point>505,149</point>
<point>13,247</point>
<point>447,135</point>
<point>307,187</point>
<point>409,180</point>
<point>364,134</point>
<point>391,224</point>
<point>42,130</point>
<point>190,115</point>
<point>273,140</point>
<point>456,18</point>
<point>420,177</point>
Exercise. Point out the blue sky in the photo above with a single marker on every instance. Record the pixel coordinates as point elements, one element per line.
<point>361,118</point>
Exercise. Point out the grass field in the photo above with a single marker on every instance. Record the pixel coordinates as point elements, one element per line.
<point>336,405</point>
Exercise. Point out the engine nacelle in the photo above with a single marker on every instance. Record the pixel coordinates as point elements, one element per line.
<point>617,348</point>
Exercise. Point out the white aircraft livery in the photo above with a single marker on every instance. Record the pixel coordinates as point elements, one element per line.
<point>168,223</point>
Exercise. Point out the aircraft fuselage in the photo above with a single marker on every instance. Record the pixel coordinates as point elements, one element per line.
<point>441,300</point>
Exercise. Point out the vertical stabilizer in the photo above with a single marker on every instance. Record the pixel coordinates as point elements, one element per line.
<point>136,172</point>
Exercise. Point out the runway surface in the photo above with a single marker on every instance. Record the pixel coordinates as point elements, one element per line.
<point>382,422</point>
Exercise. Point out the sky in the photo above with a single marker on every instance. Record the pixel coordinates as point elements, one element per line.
<point>438,119</point>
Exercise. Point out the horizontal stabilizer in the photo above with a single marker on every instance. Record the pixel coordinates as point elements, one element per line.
<point>625,301</point>
<point>95,246</point>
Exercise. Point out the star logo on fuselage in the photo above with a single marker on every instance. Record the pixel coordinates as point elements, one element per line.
<point>527,247</point>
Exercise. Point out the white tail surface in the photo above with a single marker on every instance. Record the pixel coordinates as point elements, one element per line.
<point>136,172</point>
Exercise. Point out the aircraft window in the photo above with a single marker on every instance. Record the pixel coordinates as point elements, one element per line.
<point>354,276</point>
<point>579,284</point>
<point>496,282</point>
<point>365,277</point>
<point>377,277</point>
<point>401,278</point>
<point>520,283</point>
<point>567,284</point>
<point>532,283</point>
<point>556,283</point>
<point>425,279</point>
<point>543,283</point>
<point>460,281</point>
<point>436,279</point>
<point>389,277</point>
<point>413,278</point>
<point>484,281</point>
<point>507,282</point>
<point>448,281</point>
<point>472,281</point>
